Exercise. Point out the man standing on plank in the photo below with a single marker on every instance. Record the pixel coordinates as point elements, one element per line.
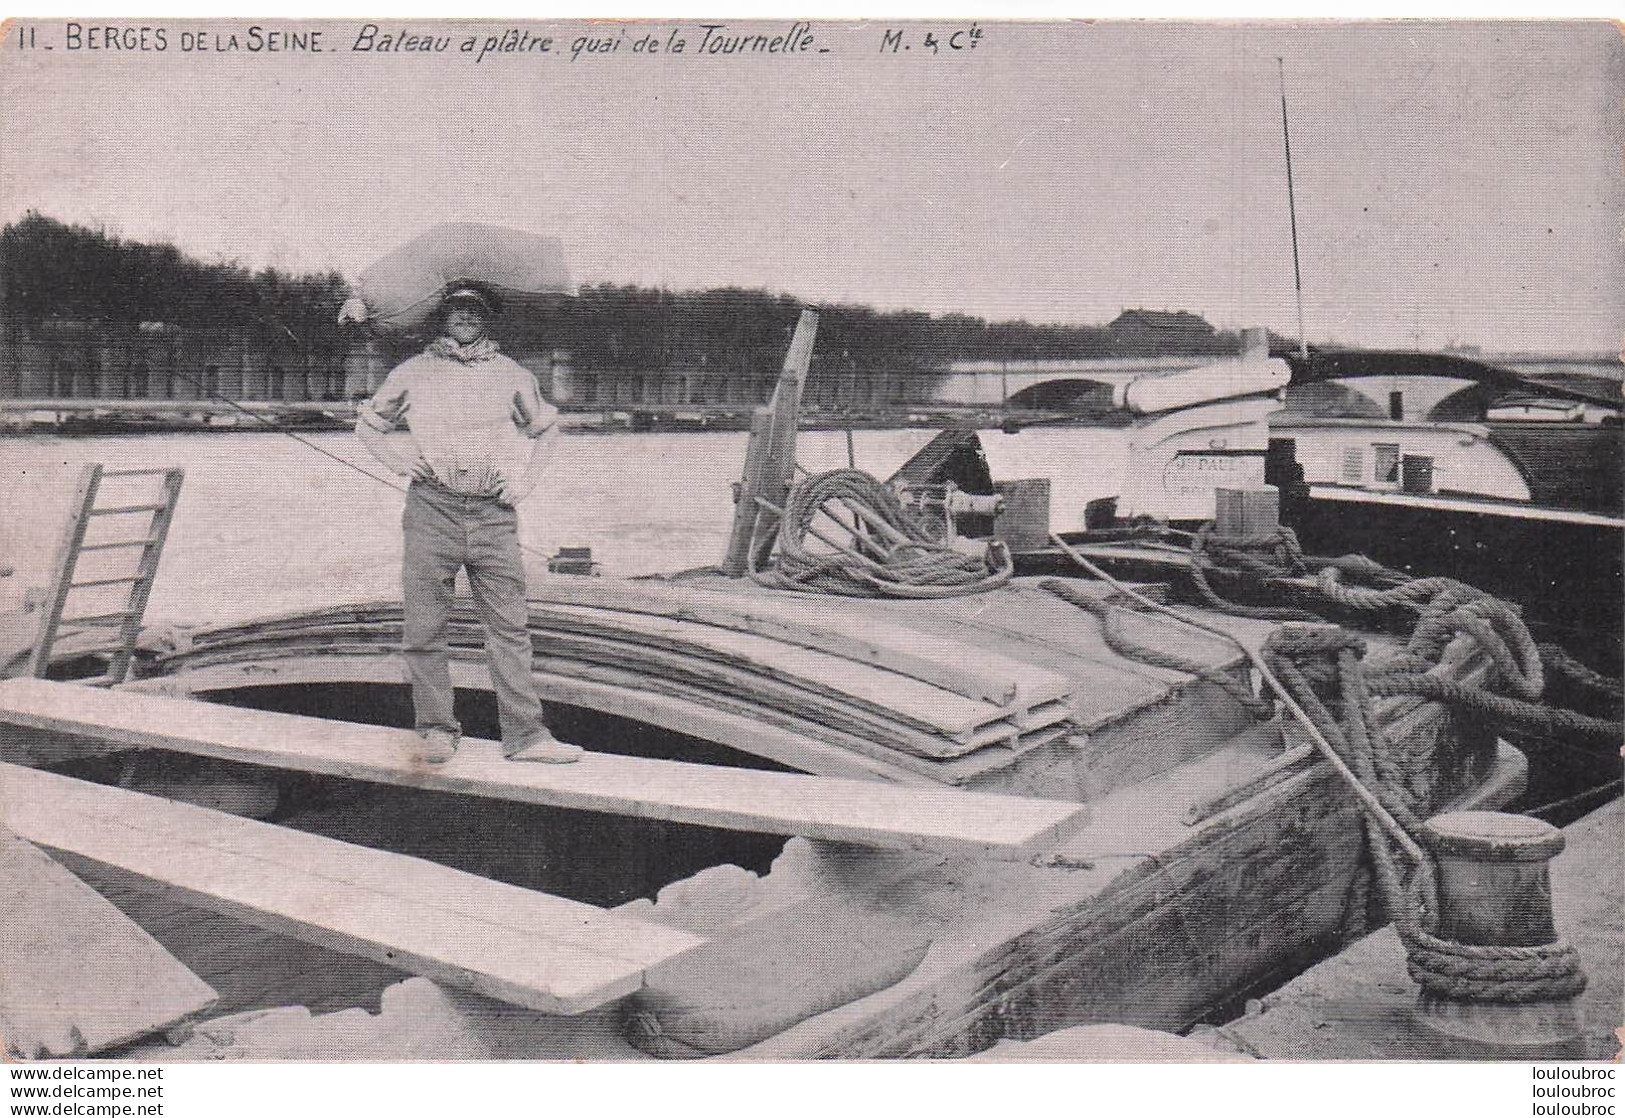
<point>480,437</point>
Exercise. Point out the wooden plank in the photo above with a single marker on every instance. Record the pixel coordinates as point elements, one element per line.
<point>724,718</point>
<point>1060,638</point>
<point>736,559</point>
<point>779,689</point>
<point>79,976</point>
<point>865,812</point>
<point>62,568</point>
<point>857,738</point>
<point>808,621</point>
<point>780,461</point>
<point>655,668</point>
<point>1129,707</point>
<point>527,948</point>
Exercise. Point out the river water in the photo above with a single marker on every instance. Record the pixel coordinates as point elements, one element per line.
<point>268,523</point>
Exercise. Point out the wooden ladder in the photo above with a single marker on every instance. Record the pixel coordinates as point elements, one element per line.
<point>149,545</point>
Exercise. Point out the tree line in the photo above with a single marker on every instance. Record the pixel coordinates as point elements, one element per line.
<point>52,270</point>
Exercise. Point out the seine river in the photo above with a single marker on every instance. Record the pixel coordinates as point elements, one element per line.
<point>268,524</point>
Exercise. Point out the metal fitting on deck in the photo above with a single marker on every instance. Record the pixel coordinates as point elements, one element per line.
<point>1497,975</point>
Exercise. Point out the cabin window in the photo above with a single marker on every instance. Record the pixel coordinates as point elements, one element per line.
<point>1353,465</point>
<point>1387,462</point>
<point>1396,405</point>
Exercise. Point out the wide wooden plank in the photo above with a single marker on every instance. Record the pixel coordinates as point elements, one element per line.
<point>1021,621</point>
<point>865,812</point>
<point>519,946</point>
<point>77,976</point>
<point>655,668</point>
<point>771,690</point>
<point>912,716</point>
<point>725,718</point>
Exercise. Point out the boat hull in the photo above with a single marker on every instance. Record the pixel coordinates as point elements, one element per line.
<point>1564,568</point>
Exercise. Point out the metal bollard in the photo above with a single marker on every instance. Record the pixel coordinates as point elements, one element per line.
<point>1495,890</point>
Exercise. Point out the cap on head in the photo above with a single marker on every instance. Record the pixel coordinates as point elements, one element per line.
<point>465,295</point>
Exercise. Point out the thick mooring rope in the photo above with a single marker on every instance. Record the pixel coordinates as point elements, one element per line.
<point>1442,967</point>
<point>891,555</point>
<point>1321,673</point>
<point>1240,557</point>
<point>1443,608</point>
<point>1111,618</point>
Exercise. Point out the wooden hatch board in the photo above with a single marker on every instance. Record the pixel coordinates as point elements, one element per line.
<point>857,811</point>
<point>519,946</point>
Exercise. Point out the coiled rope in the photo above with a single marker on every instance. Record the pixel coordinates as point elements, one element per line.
<point>889,553</point>
<point>1239,557</point>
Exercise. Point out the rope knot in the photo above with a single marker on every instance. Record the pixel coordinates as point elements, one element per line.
<point>1304,642</point>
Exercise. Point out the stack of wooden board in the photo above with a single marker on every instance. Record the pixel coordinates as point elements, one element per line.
<point>1014,690</point>
<point>784,662</point>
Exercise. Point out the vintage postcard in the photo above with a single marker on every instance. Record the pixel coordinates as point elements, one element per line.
<point>793,539</point>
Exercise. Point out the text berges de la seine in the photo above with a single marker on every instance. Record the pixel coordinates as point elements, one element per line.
<point>254,40</point>
<point>257,39</point>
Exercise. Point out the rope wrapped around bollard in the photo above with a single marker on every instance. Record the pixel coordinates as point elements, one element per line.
<point>1240,556</point>
<point>1443,967</point>
<point>890,554</point>
<point>1447,968</point>
<point>1316,671</point>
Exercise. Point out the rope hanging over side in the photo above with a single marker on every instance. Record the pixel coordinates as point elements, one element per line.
<point>889,553</point>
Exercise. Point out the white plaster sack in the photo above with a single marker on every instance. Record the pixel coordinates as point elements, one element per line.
<point>403,289</point>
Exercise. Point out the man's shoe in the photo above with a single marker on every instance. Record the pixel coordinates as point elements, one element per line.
<point>544,747</point>
<point>435,746</point>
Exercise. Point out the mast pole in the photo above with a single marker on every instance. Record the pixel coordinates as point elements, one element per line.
<point>1292,211</point>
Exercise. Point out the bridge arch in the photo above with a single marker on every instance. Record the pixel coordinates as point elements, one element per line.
<point>1064,394</point>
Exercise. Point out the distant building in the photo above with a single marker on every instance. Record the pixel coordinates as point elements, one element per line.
<point>1167,324</point>
<point>65,360</point>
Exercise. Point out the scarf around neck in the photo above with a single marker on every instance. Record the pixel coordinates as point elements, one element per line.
<point>474,352</point>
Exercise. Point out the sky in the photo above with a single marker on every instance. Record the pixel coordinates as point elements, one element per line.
<point>1455,183</point>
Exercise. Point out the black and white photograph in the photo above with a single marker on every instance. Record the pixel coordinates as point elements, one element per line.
<point>783,540</point>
